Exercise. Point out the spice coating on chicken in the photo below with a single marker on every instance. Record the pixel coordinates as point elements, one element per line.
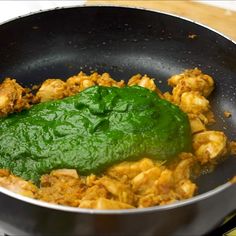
<point>13,97</point>
<point>126,185</point>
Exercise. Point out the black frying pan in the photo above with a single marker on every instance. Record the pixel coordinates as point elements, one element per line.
<point>123,42</point>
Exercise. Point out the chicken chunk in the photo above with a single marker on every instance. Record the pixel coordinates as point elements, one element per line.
<point>190,90</point>
<point>149,200</point>
<point>65,172</point>
<point>143,182</point>
<point>90,180</point>
<point>106,80</point>
<point>61,188</point>
<point>183,169</point>
<point>209,145</point>
<point>196,124</point>
<point>16,184</point>
<point>209,115</point>
<point>82,81</point>
<point>129,169</point>
<point>193,102</point>
<point>95,192</point>
<point>232,146</point>
<point>13,97</point>
<point>143,81</point>
<point>165,182</point>
<point>146,82</point>
<point>186,189</point>
<point>192,80</point>
<point>119,190</point>
<point>126,185</point>
<point>167,96</point>
<point>52,89</point>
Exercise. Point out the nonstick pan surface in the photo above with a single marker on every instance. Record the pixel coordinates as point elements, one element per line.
<point>124,42</point>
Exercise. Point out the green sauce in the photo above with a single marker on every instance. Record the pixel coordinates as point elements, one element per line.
<point>91,131</point>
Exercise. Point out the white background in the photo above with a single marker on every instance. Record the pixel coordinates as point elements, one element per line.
<point>11,9</point>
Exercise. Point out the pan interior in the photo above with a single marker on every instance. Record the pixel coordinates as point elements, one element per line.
<point>123,42</point>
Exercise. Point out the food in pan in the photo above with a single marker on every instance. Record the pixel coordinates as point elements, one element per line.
<point>92,130</point>
<point>93,142</point>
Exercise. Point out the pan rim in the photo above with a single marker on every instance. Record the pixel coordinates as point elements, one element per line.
<point>117,6</point>
<point>181,203</point>
<point>171,206</point>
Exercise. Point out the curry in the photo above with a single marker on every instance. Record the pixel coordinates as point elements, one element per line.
<point>93,142</point>
<point>91,131</point>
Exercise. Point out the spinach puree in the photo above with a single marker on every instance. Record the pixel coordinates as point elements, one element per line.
<point>92,130</point>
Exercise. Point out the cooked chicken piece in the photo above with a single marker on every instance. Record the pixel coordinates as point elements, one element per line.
<point>209,115</point>
<point>86,84</point>
<point>129,169</point>
<point>189,91</point>
<point>209,145</point>
<point>158,199</point>
<point>186,155</point>
<point>170,198</point>
<point>61,189</point>
<point>90,180</point>
<point>157,190</point>
<point>134,80</point>
<point>196,125</point>
<point>193,102</point>
<point>65,172</point>
<point>183,169</point>
<point>165,182</point>
<point>104,204</point>
<point>82,81</point>
<point>232,147</point>
<point>167,96</point>
<point>106,80</point>
<point>13,97</point>
<point>120,191</point>
<point>175,79</point>
<point>52,89</point>
<point>192,80</point>
<point>91,204</point>
<point>149,200</point>
<point>16,184</point>
<point>143,81</point>
<point>143,182</point>
<point>203,118</point>
<point>186,189</point>
<point>95,192</point>
<point>146,82</point>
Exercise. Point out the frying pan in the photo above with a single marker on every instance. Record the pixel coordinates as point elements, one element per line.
<point>123,42</point>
